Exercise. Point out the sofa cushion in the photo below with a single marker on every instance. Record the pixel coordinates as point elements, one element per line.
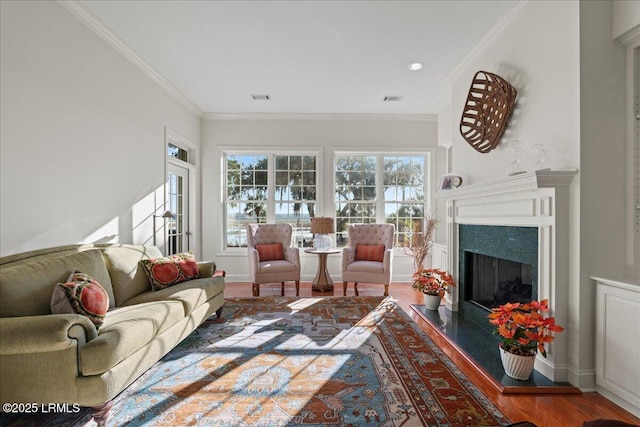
<point>270,252</point>
<point>127,275</point>
<point>191,294</point>
<point>171,270</point>
<point>124,331</point>
<point>26,289</point>
<point>369,252</point>
<point>81,294</point>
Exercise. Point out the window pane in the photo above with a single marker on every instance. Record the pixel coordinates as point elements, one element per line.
<point>177,152</point>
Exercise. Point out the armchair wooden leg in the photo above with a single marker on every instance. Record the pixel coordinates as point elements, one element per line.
<point>282,290</point>
<point>386,290</point>
<point>256,290</point>
<point>297,288</point>
<point>355,288</point>
<point>344,288</point>
<point>219,312</point>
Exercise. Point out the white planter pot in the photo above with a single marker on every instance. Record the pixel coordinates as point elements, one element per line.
<point>432,302</point>
<point>517,367</point>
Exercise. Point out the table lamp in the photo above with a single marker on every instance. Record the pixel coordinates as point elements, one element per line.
<point>322,228</point>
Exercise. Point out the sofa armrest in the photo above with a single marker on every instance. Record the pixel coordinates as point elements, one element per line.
<point>39,334</point>
<point>206,268</point>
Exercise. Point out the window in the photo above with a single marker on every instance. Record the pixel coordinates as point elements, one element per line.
<point>380,188</point>
<point>177,152</point>
<point>295,195</point>
<point>261,188</point>
<point>356,193</point>
<point>404,195</point>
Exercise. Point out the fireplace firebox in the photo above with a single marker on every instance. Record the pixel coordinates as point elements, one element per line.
<point>493,281</point>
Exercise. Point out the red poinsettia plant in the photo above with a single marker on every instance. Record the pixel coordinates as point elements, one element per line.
<point>432,281</point>
<point>523,328</point>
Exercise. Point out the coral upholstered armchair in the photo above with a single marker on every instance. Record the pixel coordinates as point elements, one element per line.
<point>368,256</point>
<point>271,257</point>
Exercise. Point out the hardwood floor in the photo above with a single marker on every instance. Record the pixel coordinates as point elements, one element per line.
<point>545,410</point>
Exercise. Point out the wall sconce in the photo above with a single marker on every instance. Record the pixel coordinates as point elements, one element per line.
<point>166,215</point>
<point>322,227</point>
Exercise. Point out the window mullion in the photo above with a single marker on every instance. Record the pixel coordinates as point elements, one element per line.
<point>271,189</point>
<point>380,208</point>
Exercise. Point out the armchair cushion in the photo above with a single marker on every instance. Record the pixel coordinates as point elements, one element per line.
<point>270,252</point>
<point>370,252</point>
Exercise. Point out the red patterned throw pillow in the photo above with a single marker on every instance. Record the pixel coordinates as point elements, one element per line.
<point>270,252</point>
<point>81,294</point>
<point>171,270</point>
<point>369,252</point>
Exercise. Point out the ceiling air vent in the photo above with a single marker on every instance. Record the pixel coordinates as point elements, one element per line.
<point>260,97</point>
<point>392,98</point>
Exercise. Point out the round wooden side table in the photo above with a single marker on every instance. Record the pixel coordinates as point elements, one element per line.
<point>322,281</point>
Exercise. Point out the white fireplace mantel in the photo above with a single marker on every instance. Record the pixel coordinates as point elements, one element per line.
<point>533,199</point>
<point>521,182</point>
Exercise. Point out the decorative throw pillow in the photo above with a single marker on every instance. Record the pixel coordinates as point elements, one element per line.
<point>270,252</point>
<point>83,295</point>
<point>171,270</point>
<point>369,252</point>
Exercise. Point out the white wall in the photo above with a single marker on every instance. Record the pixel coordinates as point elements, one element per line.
<point>626,16</point>
<point>326,135</point>
<point>540,58</point>
<point>570,78</point>
<point>82,136</point>
<point>603,86</point>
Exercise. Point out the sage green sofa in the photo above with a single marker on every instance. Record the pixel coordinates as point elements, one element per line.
<point>62,358</point>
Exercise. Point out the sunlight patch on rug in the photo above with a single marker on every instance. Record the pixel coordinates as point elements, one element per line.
<point>282,361</point>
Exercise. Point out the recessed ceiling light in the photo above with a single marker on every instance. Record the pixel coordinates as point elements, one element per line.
<point>415,66</point>
<point>392,98</point>
<point>261,97</point>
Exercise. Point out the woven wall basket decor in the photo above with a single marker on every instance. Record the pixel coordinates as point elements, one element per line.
<point>487,111</point>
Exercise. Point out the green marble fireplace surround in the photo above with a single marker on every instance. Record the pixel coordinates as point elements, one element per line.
<point>516,244</point>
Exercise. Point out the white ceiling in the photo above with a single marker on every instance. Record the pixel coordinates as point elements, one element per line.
<point>323,57</point>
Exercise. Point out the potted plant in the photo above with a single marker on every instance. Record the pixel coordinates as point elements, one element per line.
<point>433,283</point>
<point>524,331</point>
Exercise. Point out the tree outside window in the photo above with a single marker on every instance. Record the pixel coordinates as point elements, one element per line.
<point>380,188</point>
<point>248,189</point>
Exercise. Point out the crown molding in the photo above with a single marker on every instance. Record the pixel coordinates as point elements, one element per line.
<point>313,116</point>
<point>514,11</point>
<point>80,12</point>
<point>631,38</point>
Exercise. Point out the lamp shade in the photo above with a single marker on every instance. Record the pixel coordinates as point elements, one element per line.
<point>321,225</point>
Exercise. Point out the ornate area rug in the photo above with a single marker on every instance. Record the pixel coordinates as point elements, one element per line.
<point>325,362</point>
